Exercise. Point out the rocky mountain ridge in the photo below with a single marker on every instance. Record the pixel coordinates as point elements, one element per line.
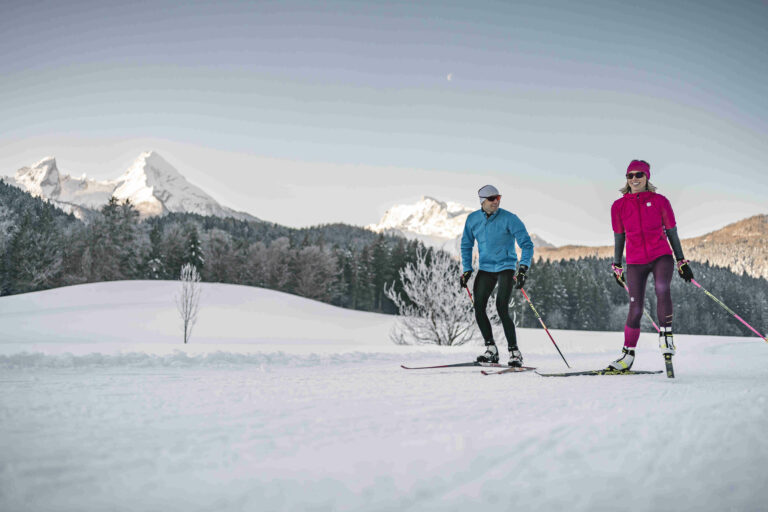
<point>153,185</point>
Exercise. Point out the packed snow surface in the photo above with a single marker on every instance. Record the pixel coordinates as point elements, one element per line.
<point>281,403</point>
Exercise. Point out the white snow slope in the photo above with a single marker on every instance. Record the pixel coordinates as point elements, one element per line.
<point>280,403</point>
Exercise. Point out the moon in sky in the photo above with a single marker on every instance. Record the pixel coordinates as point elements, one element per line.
<point>449,77</point>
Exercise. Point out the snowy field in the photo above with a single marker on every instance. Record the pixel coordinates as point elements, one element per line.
<point>280,403</point>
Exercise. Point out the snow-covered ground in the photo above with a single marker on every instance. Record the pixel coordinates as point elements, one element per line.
<point>280,403</point>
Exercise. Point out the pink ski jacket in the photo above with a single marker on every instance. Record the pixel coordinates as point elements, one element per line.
<point>644,217</point>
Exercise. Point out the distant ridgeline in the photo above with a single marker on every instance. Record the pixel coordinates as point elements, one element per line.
<point>741,246</point>
<point>42,247</point>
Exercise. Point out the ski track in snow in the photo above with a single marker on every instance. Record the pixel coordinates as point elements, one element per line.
<point>367,435</point>
<point>101,408</point>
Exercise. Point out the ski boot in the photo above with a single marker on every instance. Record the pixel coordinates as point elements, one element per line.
<point>491,354</point>
<point>667,346</point>
<point>515,358</point>
<point>623,363</point>
<point>666,342</point>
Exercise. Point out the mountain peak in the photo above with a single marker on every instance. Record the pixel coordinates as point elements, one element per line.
<point>428,216</point>
<point>430,199</point>
<point>436,223</point>
<point>152,185</point>
<point>150,165</point>
<point>46,162</point>
<point>42,179</point>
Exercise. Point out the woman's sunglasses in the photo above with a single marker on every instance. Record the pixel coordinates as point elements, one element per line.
<point>638,175</point>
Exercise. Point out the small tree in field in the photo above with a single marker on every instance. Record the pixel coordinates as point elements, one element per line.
<point>188,299</point>
<point>436,310</point>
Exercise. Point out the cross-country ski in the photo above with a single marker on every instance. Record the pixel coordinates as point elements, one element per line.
<point>600,372</point>
<point>513,369</point>
<point>455,365</point>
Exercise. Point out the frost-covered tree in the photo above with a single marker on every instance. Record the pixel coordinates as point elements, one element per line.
<point>276,264</point>
<point>434,309</point>
<point>188,299</point>
<point>155,262</point>
<point>219,266</point>
<point>193,250</point>
<point>33,259</point>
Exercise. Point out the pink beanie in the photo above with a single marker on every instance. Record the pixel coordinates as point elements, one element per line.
<point>640,165</point>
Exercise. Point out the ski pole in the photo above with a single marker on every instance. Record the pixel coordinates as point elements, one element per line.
<point>737,317</point>
<point>470,295</point>
<point>544,326</point>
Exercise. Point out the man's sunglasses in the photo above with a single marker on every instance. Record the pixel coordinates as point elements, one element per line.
<point>638,175</point>
<point>493,198</point>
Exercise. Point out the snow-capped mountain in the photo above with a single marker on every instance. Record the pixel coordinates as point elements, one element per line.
<point>435,223</point>
<point>153,185</point>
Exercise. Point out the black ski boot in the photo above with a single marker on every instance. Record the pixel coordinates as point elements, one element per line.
<point>491,354</point>
<point>515,358</point>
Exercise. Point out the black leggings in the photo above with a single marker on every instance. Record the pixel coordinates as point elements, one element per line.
<point>485,282</point>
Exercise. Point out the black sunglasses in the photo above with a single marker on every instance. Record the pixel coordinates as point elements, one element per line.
<point>493,198</point>
<point>638,175</point>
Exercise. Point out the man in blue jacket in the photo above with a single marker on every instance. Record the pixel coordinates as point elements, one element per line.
<point>496,231</point>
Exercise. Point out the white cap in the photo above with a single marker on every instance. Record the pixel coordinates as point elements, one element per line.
<point>487,191</point>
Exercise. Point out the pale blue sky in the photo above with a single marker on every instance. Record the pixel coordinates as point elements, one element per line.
<point>309,112</point>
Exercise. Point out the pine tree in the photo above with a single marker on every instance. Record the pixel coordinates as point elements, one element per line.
<point>193,249</point>
<point>33,258</point>
<point>155,262</point>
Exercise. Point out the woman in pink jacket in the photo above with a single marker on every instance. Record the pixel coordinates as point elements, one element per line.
<point>645,221</point>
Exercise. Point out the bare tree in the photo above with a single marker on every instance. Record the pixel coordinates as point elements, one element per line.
<point>314,274</point>
<point>436,311</point>
<point>188,299</point>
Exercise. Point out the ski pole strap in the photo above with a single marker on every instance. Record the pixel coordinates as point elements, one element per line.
<point>737,317</point>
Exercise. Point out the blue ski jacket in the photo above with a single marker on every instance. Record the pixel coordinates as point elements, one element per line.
<point>496,236</point>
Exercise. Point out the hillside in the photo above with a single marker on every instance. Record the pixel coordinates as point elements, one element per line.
<point>740,247</point>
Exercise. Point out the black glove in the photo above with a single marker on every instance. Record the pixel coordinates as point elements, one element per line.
<point>684,270</point>
<point>618,274</point>
<point>520,277</point>
<point>465,278</point>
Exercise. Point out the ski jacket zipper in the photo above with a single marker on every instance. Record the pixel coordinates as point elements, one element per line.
<point>642,226</point>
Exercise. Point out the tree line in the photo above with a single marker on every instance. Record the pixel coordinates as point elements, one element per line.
<point>581,294</point>
<point>42,247</point>
<point>575,294</point>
